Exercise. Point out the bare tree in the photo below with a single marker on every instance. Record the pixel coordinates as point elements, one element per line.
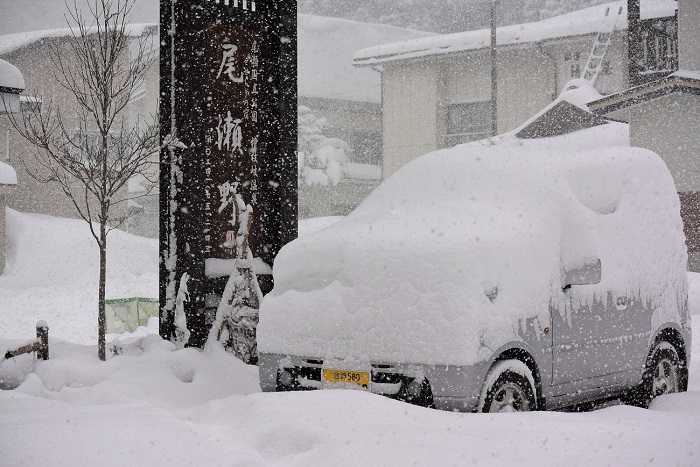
<point>101,66</point>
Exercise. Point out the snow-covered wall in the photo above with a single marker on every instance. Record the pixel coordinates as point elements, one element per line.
<point>410,113</point>
<point>689,34</point>
<point>669,126</point>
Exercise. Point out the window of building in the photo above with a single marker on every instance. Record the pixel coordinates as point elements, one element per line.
<point>577,55</point>
<point>576,70</point>
<point>567,56</point>
<point>86,146</point>
<point>468,122</point>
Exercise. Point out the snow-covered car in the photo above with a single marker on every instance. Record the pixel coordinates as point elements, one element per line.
<point>491,279</point>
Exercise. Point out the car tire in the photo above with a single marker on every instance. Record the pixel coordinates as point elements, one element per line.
<point>509,387</point>
<point>662,375</point>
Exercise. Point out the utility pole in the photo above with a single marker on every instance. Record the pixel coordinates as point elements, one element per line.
<point>494,72</point>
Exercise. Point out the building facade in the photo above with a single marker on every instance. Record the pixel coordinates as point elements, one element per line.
<point>437,91</point>
<point>664,116</point>
<point>29,53</point>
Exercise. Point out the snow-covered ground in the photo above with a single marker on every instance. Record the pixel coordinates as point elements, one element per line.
<point>154,405</point>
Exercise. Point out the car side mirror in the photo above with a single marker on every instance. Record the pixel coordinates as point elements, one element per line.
<point>589,273</point>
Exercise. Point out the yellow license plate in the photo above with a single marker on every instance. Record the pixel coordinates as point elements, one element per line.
<point>345,378</point>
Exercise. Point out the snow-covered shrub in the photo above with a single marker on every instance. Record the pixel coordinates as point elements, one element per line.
<point>321,159</point>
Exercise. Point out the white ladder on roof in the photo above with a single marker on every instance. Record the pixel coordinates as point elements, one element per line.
<point>600,47</point>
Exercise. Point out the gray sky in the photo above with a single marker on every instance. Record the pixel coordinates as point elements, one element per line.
<point>32,15</point>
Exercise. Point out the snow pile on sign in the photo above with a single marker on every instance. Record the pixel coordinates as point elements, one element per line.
<point>405,277</point>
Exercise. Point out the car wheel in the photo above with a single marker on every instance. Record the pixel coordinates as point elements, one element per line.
<point>509,387</point>
<point>662,375</point>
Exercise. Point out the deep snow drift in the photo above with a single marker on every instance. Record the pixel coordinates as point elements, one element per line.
<point>157,406</point>
<point>52,274</point>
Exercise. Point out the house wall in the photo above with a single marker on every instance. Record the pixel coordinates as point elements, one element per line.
<point>410,96</point>
<point>47,198</point>
<point>418,93</point>
<point>668,126</point>
<point>689,34</point>
<point>357,123</point>
<point>3,223</point>
<point>339,200</point>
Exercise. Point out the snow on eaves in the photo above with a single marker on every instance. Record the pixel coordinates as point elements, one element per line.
<point>8,176</point>
<point>10,76</point>
<point>649,9</point>
<point>688,74</point>
<point>587,21</point>
<point>11,42</point>
<point>326,48</point>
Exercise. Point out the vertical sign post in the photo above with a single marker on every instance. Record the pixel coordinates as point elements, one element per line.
<point>228,111</point>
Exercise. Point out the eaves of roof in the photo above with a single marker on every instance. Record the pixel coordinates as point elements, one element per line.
<point>645,93</point>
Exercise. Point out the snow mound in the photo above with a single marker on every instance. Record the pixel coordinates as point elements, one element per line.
<point>405,277</point>
<point>48,251</point>
<point>52,272</point>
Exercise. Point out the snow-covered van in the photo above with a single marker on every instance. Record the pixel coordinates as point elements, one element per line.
<point>491,279</point>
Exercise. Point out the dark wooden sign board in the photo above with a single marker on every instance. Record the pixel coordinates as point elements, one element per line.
<point>228,84</point>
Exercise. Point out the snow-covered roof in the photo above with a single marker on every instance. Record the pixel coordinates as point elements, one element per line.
<point>10,76</point>
<point>12,42</point>
<point>649,9</point>
<point>690,74</point>
<point>8,176</point>
<point>326,48</point>
<point>679,82</point>
<point>587,21</point>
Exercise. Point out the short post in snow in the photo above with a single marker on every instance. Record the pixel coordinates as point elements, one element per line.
<point>40,345</point>
<point>42,334</point>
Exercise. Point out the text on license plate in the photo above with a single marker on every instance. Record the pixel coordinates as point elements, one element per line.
<point>360,378</point>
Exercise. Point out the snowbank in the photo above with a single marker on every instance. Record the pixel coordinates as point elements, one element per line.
<point>404,277</point>
<point>52,272</point>
<point>158,406</point>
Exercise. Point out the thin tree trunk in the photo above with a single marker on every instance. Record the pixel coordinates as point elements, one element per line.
<point>101,317</point>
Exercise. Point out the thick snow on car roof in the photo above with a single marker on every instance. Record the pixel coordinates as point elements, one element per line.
<point>405,277</point>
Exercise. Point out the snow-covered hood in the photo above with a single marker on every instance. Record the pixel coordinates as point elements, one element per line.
<point>406,276</point>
